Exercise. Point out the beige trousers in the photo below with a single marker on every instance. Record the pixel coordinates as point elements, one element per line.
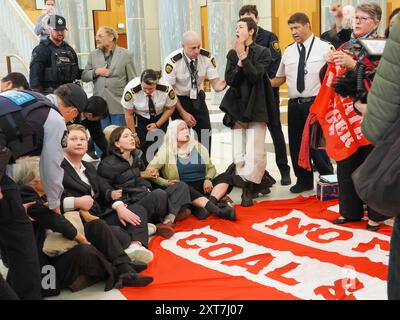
<point>249,154</point>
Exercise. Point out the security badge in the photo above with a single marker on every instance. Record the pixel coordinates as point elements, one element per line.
<point>276,47</point>
<point>128,96</point>
<point>172,94</point>
<point>214,62</point>
<point>169,68</point>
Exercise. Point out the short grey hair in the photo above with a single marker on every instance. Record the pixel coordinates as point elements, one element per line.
<point>373,9</point>
<point>26,170</point>
<point>111,32</point>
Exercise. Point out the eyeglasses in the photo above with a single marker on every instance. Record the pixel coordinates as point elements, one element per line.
<point>362,19</point>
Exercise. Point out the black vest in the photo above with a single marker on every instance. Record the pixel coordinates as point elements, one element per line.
<point>18,132</point>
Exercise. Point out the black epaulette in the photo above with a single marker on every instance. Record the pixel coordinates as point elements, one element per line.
<point>176,58</point>
<point>137,89</point>
<point>205,53</point>
<point>162,88</point>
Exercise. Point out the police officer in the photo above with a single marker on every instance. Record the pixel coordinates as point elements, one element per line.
<point>29,125</point>
<point>186,69</point>
<point>54,62</point>
<point>153,102</point>
<point>269,40</point>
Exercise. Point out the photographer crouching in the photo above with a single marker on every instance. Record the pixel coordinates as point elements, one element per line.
<point>352,71</point>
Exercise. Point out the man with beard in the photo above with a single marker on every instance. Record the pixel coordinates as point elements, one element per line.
<point>54,62</point>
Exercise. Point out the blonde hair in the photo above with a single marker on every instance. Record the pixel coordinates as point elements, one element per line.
<point>78,127</point>
<point>26,170</point>
<point>108,130</point>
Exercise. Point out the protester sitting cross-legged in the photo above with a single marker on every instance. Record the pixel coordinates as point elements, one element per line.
<point>125,184</point>
<point>82,192</point>
<point>182,158</point>
<point>98,254</point>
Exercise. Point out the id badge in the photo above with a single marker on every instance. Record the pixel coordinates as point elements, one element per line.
<point>193,94</point>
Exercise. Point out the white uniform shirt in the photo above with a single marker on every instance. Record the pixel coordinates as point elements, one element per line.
<point>290,62</point>
<point>177,73</point>
<point>135,99</point>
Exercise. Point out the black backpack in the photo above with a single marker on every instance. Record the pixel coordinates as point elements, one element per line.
<point>377,180</point>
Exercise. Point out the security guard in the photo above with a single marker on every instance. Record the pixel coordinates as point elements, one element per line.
<point>186,69</point>
<point>269,40</point>
<point>153,102</point>
<point>29,125</point>
<point>54,62</point>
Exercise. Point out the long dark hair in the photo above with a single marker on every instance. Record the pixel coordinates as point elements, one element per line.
<point>114,137</point>
<point>395,12</point>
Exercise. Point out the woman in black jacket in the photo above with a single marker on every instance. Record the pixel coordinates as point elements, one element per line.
<point>125,183</point>
<point>248,105</point>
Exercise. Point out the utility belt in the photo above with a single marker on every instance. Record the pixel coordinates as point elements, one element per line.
<point>302,100</point>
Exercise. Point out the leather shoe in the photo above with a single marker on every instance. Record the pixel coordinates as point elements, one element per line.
<point>165,230</point>
<point>139,266</point>
<point>373,228</point>
<point>286,180</point>
<point>183,215</point>
<point>299,188</point>
<point>133,280</point>
<point>247,200</point>
<point>343,221</point>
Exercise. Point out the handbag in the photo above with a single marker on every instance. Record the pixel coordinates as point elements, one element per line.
<point>377,180</point>
<point>56,244</point>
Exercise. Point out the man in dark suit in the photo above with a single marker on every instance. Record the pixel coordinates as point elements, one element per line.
<point>269,40</point>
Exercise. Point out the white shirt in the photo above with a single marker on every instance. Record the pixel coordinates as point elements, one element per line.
<point>178,75</point>
<point>290,62</point>
<point>69,202</point>
<point>133,99</point>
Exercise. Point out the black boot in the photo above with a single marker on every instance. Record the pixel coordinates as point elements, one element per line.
<point>132,279</point>
<point>226,212</point>
<point>247,200</point>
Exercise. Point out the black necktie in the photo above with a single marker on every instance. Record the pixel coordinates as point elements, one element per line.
<point>192,67</point>
<point>152,107</point>
<point>301,71</point>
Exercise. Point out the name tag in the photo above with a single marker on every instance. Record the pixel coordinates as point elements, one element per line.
<point>193,94</point>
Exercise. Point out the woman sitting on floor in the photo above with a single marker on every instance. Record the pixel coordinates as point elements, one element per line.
<point>87,262</point>
<point>125,184</point>
<point>182,158</point>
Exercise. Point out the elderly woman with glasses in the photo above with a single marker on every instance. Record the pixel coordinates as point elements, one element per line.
<point>367,20</point>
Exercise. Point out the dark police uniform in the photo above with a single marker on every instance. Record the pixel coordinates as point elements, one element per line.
<point>52,66</point>
<point>269,40</point>
<point>187,77</point>
<point>29,125</point>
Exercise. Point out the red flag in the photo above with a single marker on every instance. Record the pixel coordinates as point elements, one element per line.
<point>340,123</point>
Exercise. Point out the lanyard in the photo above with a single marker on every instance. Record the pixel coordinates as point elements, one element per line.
<point>309,52</point>
<point>193,74</point>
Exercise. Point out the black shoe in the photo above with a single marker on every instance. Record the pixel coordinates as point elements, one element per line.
<point>133,280</point>
<point>200,213</point>
<point>373,228</point>
<point>299,188</point>
<point>226,212</point>
<point>247,200</point>
<point>286,180</point>
<point>343,221</point>
<point>139,266</point>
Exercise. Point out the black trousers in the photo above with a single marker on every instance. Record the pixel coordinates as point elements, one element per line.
<point>278,139</point>
<point>145,141</point>
<point>18,241</point>
<point>199,111</point>
<point>298,113</point>
<point>6,292</point>
<point>197,189</point>
<point>351,206</point>
<point>394,263</point>
<point>134,233</point>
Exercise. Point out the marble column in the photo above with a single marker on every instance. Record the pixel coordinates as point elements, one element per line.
<point>175,18</point>
<point>221,31</point>
<point>136,33</point>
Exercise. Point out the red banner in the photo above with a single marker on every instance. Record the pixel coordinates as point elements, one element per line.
<point>340,123</point>
<point>285,250</point>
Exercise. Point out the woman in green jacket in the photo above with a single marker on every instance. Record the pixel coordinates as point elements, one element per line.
<point>182,158</point>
